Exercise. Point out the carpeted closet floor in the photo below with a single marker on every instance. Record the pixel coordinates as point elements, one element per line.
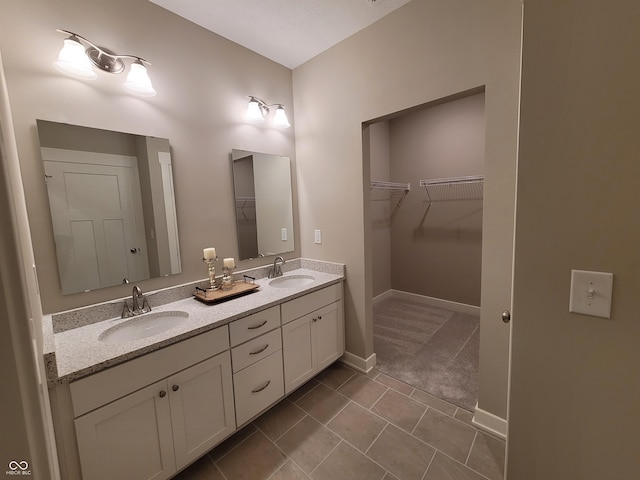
<point>433,349</point>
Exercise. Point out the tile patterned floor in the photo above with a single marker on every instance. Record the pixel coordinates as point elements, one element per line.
<point>343,425</point>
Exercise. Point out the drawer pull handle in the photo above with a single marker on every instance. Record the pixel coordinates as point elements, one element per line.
<point>257,390</point>
<point>175,388</point>
<point>162,394</point>
<point>255,327</point>
<point>260,350</point>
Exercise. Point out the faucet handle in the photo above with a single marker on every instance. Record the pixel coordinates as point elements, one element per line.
<point>126,311</point>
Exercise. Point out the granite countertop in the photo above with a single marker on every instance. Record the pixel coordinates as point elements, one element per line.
<point>77,352</point>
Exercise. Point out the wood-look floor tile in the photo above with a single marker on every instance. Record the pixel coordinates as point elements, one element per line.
<point>399,410</point>
<point>357,425</point>
<point>308,443</point>
<point>446,468</point>
<point>347,463</point>
<point>445,433</point>
<point>397,385</point>
<point>362,390</point>
<point>257,458</point>
<point>335,375</point>
<point>290,471</point>
<point>434,402</point>
<point>203,469</point>
<point>279,419</point>
<point>487,456</point>
<point>323,403</point>
<point>403,455</point>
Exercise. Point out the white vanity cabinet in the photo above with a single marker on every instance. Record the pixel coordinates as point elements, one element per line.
<point>257,363</point>
<point>159,429</point>
<point>312,334</point>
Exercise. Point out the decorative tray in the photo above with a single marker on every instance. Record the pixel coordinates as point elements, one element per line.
<point>213,296</point>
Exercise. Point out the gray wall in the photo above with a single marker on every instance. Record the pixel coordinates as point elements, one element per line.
<point>382,206</point>
<point>436,250</point>
<point>575,386</point>
<point>426,50</point>
<point>202,81</point>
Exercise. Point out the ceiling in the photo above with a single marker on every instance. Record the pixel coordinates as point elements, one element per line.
<point>289,32</point>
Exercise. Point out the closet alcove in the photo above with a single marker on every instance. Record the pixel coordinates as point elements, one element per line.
<point>425,202</point>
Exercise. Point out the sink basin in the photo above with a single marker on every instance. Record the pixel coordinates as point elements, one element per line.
<point>291,281</point>
<point>143,326</point>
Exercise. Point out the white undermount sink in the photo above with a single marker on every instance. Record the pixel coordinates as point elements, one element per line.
<point>291,281</point>
<point>143,326</point>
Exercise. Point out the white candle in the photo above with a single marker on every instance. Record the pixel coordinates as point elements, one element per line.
<point>229,262</point>
<point>209,253</point>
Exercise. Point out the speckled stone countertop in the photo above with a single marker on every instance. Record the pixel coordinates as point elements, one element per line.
<point>76,352</point>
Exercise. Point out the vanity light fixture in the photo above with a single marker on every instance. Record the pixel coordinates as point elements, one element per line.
<point>258,109</point>
<point>76,59</point>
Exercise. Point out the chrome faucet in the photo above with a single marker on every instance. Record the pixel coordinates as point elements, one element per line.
<point>136,308</point>
<point>276,269</point>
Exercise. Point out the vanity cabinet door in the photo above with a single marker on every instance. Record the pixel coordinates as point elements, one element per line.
<point>128,439</point>
<point>202,412</point>
<point>329,335</point>
<point>311,343</point>
<point>297,352</point>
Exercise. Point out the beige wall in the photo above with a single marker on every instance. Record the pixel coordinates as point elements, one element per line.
<point>575,386</point>
<point>382,203</point>
<point>436,249</point>
<point>202,81</point>
<point>422,52</point>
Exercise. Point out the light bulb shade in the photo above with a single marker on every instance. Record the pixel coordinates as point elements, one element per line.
<point>138,80</point>
<point>73,61</point>
<point>280,119</point>
<point>254,112</point>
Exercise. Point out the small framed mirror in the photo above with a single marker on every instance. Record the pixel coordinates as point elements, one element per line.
<point>264,204</point>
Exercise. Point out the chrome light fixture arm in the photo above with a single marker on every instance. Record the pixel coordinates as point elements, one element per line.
<point>102,57</point>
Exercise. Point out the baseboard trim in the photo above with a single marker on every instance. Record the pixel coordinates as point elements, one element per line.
<point>358,363</point>
<point>490,423</point>
<point>382,296</point>
<point>432,301</point>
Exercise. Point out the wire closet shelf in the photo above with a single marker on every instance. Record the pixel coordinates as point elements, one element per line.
<point>405,187</point>
<point>454,188</point>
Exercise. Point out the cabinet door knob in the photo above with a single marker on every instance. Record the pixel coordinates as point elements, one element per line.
<point>319,317</point>
<point>506,316</point>
<point>175,388</point>
<point>162,394</point>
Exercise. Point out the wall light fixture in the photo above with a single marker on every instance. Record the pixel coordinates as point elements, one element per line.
<point>257,110</point>
<point>76,59</point>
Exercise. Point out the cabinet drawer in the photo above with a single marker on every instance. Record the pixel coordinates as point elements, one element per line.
<point>103,387</point>
<point>301,306</point>
<point>257,387</point>
<point>248,353</point>
<point>256,324</point>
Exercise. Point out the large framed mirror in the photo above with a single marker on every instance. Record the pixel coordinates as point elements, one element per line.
<point>264,204</point>
<point>112,205</point>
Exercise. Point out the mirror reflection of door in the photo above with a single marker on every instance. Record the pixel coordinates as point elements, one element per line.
<point>96,209</point>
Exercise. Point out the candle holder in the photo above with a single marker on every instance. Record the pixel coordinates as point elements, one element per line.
<point>212,272</point>
<point>227,278</point>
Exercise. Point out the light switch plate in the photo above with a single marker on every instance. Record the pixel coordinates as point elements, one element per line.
<point>283,234</point>
<point>317,234</point>
<point>591,293</point>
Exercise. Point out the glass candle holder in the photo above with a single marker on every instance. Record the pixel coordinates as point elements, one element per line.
<point>212,272</point>
<point>227,278</point>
